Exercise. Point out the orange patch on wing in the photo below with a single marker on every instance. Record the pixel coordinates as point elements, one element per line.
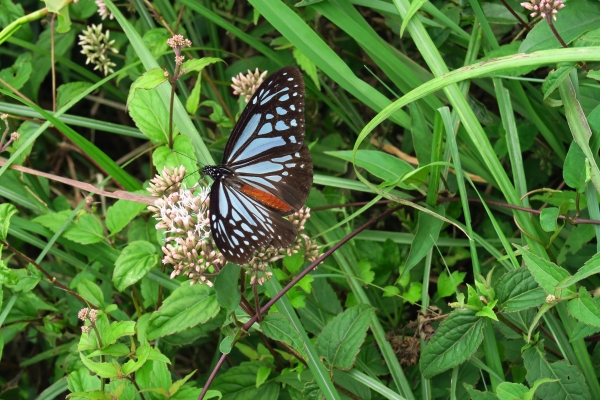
<point>266,198</point>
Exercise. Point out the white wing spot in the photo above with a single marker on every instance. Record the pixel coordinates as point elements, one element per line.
<point>281,111</point>
<point>281,126</point>
<point>293,139</point>
<point>290,165</point>
<point>293,122</point>
<point>295,94</point>
<point>274,178</point>
<point>235,240</point>
<point>284,97</point>
<point>284,173</point>
<point>266,128</point>
<point>270,116</point>
<point>293,107</point>
<point>239,233</point>
<point>254,237</point>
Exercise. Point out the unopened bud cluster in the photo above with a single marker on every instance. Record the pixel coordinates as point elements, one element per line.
<point>87,314</point>
<point>246,85</point>
<point>545,8</point>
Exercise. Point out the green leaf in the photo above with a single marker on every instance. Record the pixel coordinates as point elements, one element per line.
<point>549,219</point>
<point>585,309</point>
<point>80,380</point>
<point>182,154</point>
<point>227,287</point>
<point>574,169</point>
<point>554,79</point>
<point>85,229</point>
<point>121,213</point>
<point>262,375</point>
<point>509,390</point>
<point>102,369</point>
<point>117,330</point>
<point>446,286</point>
<point>278,327</point>
<point>193,100</point>
<point>150,116</point>
<point>149,80</point>
<point>142,354</point>
<point>378,163</point>
<point>591,267</point>
<point>7,210</point>
<point>578,17</point>
<point>189,305</point>
<point>90,292</point>
<point>571,382</point>
<point>428,230</point>
<point>307,66</point>
<point>415,6</point>
<point>414,292</point>
<point>341,338</point>
<point>455,341</point>
<point>240,383</point>
<point>68,91</point>
<point>517,290</point>
<point>391,291</point>
<point>115,350</point>
<point>293,262</point>
<point>134,262</point>
<point>178,384</point>
<point>17,75</point>
<point>421,134</point>
<point>198,64</point>
<point>546,273</point>
<point>95,395</point>
<point>365,272</point>
<point>226,344</point>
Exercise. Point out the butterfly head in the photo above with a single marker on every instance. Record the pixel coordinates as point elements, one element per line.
<point>216,172</point>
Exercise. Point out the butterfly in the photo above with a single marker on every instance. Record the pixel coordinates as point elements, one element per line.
<point>266,172</point>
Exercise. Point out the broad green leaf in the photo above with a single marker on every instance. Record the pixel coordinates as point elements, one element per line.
<point>365,270</point>
<point>546,273</point>
<point>148,81</point>
<point>85,229</point>
<point>90,292</point>
<point>7,210</point>
<point>582,331</point>
<point>115,349</point>
<point>189,305</point>
<point>67,91</point>
<point>26,131</point>
<point>227,287</point>
<point>578,17</point>
<point>517,290</point>
<point>549,219</point>
<point>117,330</point>
<point>455,341</point>
<point>571,382</point>
<point>585,309</point>
<point>80,380</point>
<point>95,395</point>
<point>150,116</point>
<point>154,374</point>
<point>446,286</point>
<point>591,267</point>
<point>510,390</point>
<point>134,262</point>
<point>428,230</point>
<point>239,382</point>
<point>341,338</point>
<point>574,169</point>
<point>226,344</point>
<point>421,134</point>
<point>121,213</point>
<point>380,164</point>
<point>414,292</point>
<point>294,262</point>
<point>102,369</point>
<point>278,327</point>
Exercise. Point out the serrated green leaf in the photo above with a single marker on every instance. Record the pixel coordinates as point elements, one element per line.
<point>7,210</point>
<point>341,338</point>
<point>91,292</point>
<point>585,309</point>
<point>142,354</point>
<point>447,285</point>
<point>517,290</point>
<point>455,341</point>
<point>149,80</point>
<point>67,91</point>
<point>278,327</point>
<point>554,79</point>
<point>102,369</point>
<point>591,267</point>
<point>189,305</point>
<point>546,273</point>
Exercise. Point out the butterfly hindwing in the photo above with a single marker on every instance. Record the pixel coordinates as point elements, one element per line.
<point>241,225</point>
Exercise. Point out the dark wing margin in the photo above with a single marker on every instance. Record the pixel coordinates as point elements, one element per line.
<point>241,225</point>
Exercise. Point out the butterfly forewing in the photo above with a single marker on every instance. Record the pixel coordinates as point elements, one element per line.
<point>266,171</point>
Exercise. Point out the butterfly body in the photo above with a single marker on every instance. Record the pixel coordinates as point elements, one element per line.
<point>266,171</point>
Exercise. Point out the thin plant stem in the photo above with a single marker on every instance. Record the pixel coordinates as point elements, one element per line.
<point>52,62</point>
<point>525,24</point>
